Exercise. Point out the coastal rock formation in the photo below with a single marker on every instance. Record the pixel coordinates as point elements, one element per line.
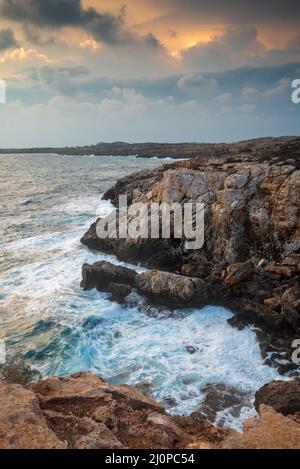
<point>83,411</point>
<point>172,288</point>
<point>22,423</point>
<point>250,263</point>
<point>271,431</point>
<point>250,260</point>
<point>164,288</point>
<point>101,274</point>
<point>283,396</point>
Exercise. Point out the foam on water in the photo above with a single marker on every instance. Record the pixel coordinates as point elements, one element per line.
<point>62,329</point>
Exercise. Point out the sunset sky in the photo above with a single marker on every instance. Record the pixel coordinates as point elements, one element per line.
<point>81,72</point>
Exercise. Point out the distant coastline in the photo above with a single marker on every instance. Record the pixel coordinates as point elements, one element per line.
<point>152,149</point>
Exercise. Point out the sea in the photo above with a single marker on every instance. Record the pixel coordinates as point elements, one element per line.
<point>47,203</point>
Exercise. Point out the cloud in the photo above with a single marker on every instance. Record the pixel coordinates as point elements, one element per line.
<point>55,14</point>
<point>7,39</point>
<point>22,55</point>
<point>235,10</point>
<point>197,85</point>
<point>224,98</point>
<point>233,48</point>
<point>152,41</point>
<point>63,80</point>
<point>35,36</point>
<point>281,88</point>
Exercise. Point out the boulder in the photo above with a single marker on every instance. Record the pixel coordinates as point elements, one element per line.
<point>291,298</point>
<point>119,291</point>
<point>237,273</point>
<point>290,306</point>
<point>87,412</point>
<point>282,269</point>
<point>101,274</point>
<point>283,396</point>
<point>172,288</point>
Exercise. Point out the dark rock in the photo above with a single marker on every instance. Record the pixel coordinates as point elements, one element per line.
<point>172,288</point>
<point>237,273</point>
<point>101,274</point>
<point>119,291</point>
<point>191,349</point>
<point>220,397</point>
<point>283,396</point>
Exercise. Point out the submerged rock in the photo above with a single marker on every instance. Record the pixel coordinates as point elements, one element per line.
<point>220,397</point>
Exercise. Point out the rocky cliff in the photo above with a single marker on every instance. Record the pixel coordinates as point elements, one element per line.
<point>250,260</point>
<point>83,411</point>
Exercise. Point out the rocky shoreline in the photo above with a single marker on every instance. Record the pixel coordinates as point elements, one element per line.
<point>83,411</point>
<point>250,263</point>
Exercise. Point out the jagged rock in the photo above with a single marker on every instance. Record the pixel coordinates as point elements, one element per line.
<point>100,438</point>
<point>237,273</point>
<point>291,298</point>
<point>86,412</point>
<point>282,269</point>
<point>271,431</point>
<point>173,288</point>
<point>249,311</point>
<point>134,250</point>
<point>119,291</point>
<point>22,424</point>
<point>273,303</point>
<point>101,274</point>
<point>220,397</point>
<point>283,396</point>
<point>83,411</point>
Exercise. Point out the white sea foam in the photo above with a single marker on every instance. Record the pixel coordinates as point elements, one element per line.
<point>42,281</point>
<point>93,206</point>
<point>136,348</point>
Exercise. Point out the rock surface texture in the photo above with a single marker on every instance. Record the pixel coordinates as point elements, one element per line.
<point>83,411</point>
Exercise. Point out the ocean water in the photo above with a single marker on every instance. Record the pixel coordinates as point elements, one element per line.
<point>47,203</point>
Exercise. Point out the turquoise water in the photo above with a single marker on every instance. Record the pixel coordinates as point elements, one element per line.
<point>47,203</point>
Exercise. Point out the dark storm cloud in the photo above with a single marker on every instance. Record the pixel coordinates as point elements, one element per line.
<point>7,39</point>
<point>252,10</point>
<point>55,14</point>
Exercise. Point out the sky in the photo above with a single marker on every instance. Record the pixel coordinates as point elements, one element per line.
<point>79,72</point>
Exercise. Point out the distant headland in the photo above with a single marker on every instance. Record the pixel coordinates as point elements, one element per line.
<point>158,150</point>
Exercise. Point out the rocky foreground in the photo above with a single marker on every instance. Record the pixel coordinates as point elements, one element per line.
<point>83,411</point>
